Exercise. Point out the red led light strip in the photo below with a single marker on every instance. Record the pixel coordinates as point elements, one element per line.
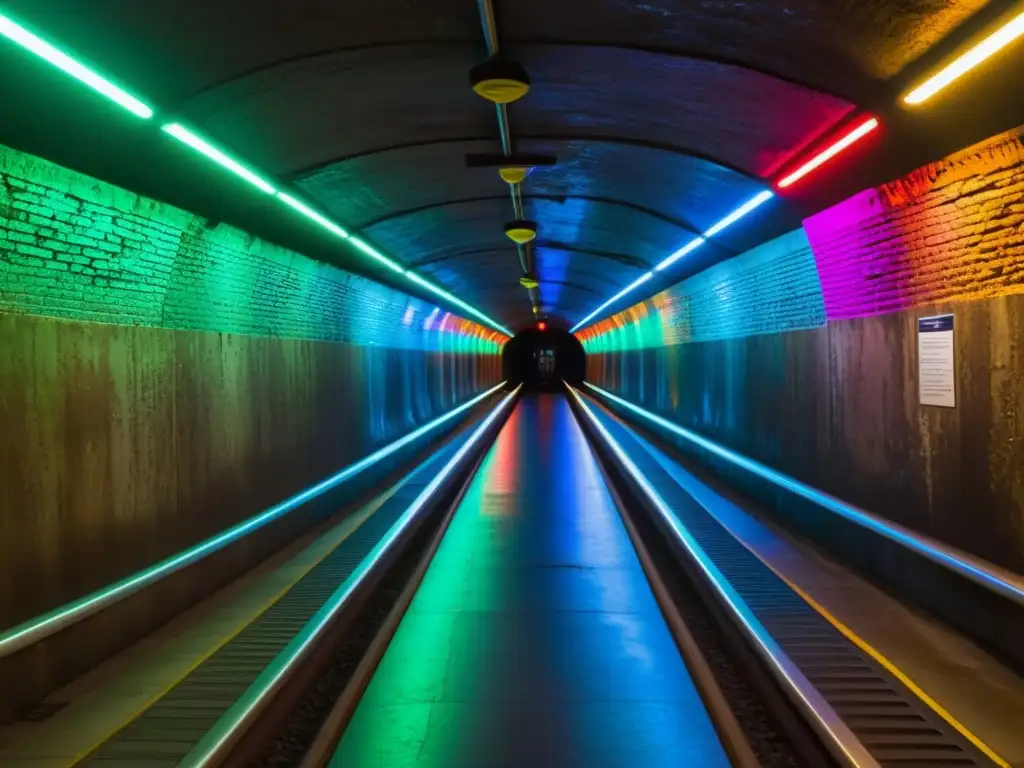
<point>855,135</point>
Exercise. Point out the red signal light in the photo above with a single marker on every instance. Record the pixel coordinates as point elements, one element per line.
<point>542,326</point>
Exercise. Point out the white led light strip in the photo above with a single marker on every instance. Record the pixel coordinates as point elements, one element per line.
<point>31,42</point>
<point>696,242</point>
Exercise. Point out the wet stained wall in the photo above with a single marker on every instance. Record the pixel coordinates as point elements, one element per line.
<point>163,378</point>
<point>823,384</point>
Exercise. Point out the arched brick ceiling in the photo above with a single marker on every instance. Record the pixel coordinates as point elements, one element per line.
<point>664,116</point>
<point>641,169</point>
<point>309,111</point>
<point>588,226</point>
<point>384,183</point>
<point>728,113</point>
<point>850,42</point>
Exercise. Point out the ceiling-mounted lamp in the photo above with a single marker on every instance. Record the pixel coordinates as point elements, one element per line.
<point>499,81</point>
<point>514,174</point>
<point>528,282</point>
<point>521,231</point>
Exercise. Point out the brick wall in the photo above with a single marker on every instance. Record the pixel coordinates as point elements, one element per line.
<point>837,404</point>
<point>770,289</point>
<point>163,379</point>
<point>76,248</point>
<point>952,230</point>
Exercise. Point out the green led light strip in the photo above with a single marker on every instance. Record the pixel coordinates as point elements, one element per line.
<point>373,253</point>
<point>47,51</point>
<point>35,44</point>
<point>187,137</point>
<point>309,213</point>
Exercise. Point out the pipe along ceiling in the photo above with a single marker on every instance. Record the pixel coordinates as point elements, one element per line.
<point>630,146</point>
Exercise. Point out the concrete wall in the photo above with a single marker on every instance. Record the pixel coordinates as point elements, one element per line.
<point>823,383</point>
<point>163,378</point>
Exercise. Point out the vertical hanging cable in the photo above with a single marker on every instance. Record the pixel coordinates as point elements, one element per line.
<point>525,252</point>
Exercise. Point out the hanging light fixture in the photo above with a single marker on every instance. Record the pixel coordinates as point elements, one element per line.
<point>499,81</point>
<point>514,174</point>
<point>528,282</point>
<point>521,231</point>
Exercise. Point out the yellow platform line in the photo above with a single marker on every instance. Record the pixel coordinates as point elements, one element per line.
<point>892,669</point>
<point>344,529</point>
<point>854,638</point>
<point>871,651</point>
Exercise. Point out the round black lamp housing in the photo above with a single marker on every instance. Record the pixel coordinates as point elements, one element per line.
<point>499,81</point>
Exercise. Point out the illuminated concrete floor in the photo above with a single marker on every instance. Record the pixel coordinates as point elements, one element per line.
<point>534,639</point>
<point>979,692</point>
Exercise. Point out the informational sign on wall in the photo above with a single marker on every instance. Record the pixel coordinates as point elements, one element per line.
<point>935,371</point>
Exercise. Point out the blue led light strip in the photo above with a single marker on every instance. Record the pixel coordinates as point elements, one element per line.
<point>999,580</point>
<point>692,245</point>
<point>216,743</point>
<point>841,741</point>
<point>31,42</point>
<point>34,630</point>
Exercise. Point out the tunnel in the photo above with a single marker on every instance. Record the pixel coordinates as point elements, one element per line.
<point>541,359</point>
<point>493,384</point>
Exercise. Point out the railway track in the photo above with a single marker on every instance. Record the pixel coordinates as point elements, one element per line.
<point>235,705</point>
<point>781,685</point>
<point>810,690</point>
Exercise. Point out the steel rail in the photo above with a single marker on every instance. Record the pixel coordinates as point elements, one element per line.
<point>328,737</point>
<point>835,734</point>
<point>32,631</point>
<point>1001,581</point>
<point>216,745</point>
<point>722,715</point>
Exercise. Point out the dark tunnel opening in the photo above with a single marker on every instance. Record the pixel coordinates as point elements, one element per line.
<point>541,359</point>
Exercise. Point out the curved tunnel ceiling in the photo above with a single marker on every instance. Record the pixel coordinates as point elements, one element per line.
<point>663,116</point>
